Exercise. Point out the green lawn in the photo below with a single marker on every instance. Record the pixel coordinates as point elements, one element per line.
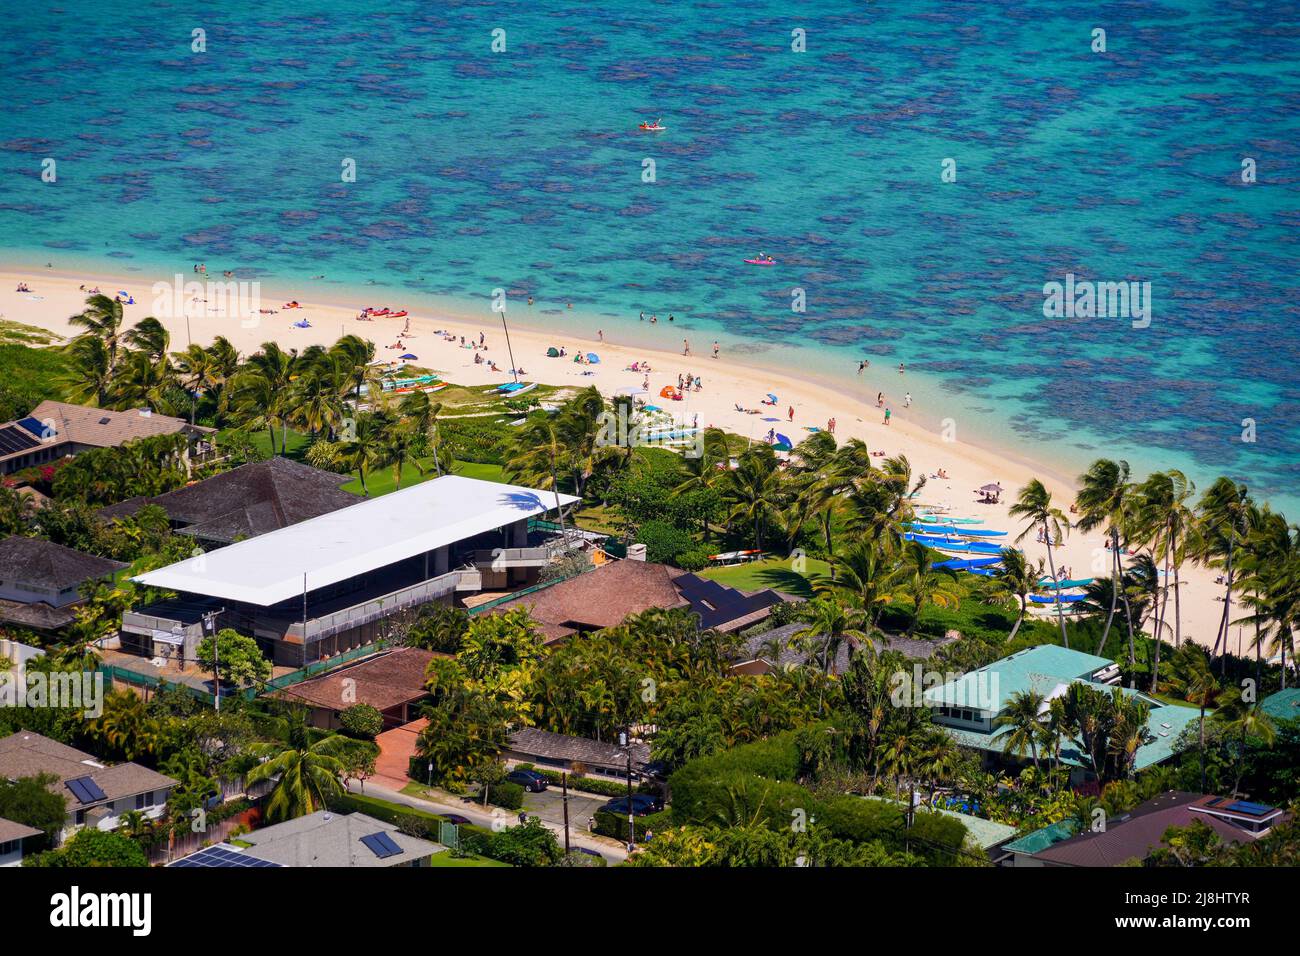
<point>382,482</point>
<point>770,573</point>
<point>446,859</point>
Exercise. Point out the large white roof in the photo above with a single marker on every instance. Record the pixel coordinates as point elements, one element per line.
<point>370,534</point>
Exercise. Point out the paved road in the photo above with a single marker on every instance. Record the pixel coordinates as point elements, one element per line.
<point>550,812</point>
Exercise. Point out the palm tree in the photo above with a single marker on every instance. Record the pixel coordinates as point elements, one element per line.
<point>1016,578</point>
<point>922,582</point>
<point>1024,715</point>
<point>306,775</point>
<point>862,576</point>
<point>1104,497</point>
<point>364,448</point>
<point>1272,585</point>
<point>1245,720</point>
<point>1163,518</point>
<point>102,320</point>
<point>89,374</point>
<point>881,503</point>
<point>263,389</point>
<point>1223,522</point>
<point>398,441</point>
<point>1035,505</point>
<point>422,412</point>
<point>537,458</point>
<point>1195,682</point>
<point>198,371</point>
<point>753,490</point>
<point>829,628</point>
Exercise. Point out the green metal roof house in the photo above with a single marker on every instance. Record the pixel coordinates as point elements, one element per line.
<point>967,706</point>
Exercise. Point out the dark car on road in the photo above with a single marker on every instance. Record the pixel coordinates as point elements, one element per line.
<point>530,780</point>
<point>457,819</point>
<point>643,804</point>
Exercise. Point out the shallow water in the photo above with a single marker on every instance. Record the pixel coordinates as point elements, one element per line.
<point>524,170</point>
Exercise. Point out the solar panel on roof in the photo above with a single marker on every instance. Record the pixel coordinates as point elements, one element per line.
<point>222,857</point>
<point>1248,808</point>
<point>381,845</point>
<point>37,427</point>
<point>85,790</point>
<point>12,440</point>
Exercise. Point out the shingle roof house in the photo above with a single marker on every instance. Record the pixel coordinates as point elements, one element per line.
<point>564,752</point>
<point>324,838</point>
<point>55,429</point>
<point>1141,832</point>
<point>389,682</point>
<point>95,794</point>
<point>39,580</point>
<point>246,501</point>
<point>604,596</point>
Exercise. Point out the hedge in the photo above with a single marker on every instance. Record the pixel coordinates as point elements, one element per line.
<point>758,782</point>
<point>596,785</point>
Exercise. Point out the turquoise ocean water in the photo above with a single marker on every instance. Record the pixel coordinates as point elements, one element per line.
<point>524,169</point>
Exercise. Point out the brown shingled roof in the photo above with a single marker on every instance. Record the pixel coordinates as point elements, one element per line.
<point>383,681</point>
<point>247,501</point>
<point>9,830</point>
<point>39,562</point>
<point>599,598</point>
<point>27,754</point>
<point>103,427</point>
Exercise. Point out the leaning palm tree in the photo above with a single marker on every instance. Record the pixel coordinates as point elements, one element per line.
<point>1035,505</point>
<point>102,320</point>
<point>753,490</point>
<point>1016,578</point>
<point>422,412</point>
<point>1246,722</point>
<point>363,448</point>
<point>306,775</point>
<point>1195,682</point>
<point>1105,496</point>
<point>88,375</point>
<point>1217,535</point>
<point>1024,716</point>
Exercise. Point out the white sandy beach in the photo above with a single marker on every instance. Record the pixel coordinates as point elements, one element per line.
<point>55,297</point>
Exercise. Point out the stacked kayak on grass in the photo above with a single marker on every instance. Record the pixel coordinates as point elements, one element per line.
<point>1051,598</point>
<point>974,565</point>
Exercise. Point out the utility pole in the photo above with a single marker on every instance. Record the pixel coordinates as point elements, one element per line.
<point>208,625</point>
<point>509,350</point>
<point>564,787</point>
<point>625,742</point>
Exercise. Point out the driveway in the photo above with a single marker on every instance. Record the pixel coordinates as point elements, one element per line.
<point>549,805</point>
<point>439,802</point>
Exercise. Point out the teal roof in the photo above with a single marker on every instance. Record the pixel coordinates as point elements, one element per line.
<point>1284,705</point>
<point>1040,668</point>
<point>1043,838</point>
<point>1166,723</point>
<point>986,833</point>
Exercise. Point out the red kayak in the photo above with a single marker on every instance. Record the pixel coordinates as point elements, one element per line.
<point>761,262</point>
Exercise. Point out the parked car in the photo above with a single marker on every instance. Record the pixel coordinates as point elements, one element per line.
<point>457,819</point>
<point>643,804</point>
<point>530,780</point>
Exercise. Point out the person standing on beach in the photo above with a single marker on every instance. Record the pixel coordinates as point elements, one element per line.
<point>715,349</point>
<point>600,335</point>
<point>791,413</point>
<point>880,399</point>
<point>642,316</point>
<point>686,347</point>
<point>886,416</point>
<point>861,365</point>
<point>900,368</point>
<point>907,400</point>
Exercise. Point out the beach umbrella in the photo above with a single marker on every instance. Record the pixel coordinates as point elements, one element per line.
<point>593,358</point>
<point>991,489</point>
<point>631,391</point>
<point>772,398</point>
<point>782,440</point>
<point>408,355</point>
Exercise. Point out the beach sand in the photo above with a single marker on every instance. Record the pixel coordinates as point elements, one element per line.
<point>55,297</point>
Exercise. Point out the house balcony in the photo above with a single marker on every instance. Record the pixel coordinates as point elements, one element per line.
<point>356,615</point>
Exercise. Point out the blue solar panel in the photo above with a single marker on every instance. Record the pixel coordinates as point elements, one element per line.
<point>1248,808</point>
<point>38,428</point>
<point>222,857</point>
<point>85,790</point>
<point>381,845</point>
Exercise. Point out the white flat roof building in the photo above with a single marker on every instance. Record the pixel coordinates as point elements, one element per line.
<point>340,545</point>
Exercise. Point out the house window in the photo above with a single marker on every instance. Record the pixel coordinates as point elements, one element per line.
<point>7,848</point>
<point>143,801</point>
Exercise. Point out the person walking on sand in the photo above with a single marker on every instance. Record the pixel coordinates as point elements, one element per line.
<point>600,335</point>
<point>642,316</point>
<point>861,365</point>
<point>886,416</point>
<point>715,349</point>
<point>686,347</point>
<point>900,368</point>
<point>880,399</point>
<point>791,413</point>
<point>907,400</point>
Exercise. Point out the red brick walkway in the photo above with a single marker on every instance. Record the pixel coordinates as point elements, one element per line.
<point>396,747</point>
